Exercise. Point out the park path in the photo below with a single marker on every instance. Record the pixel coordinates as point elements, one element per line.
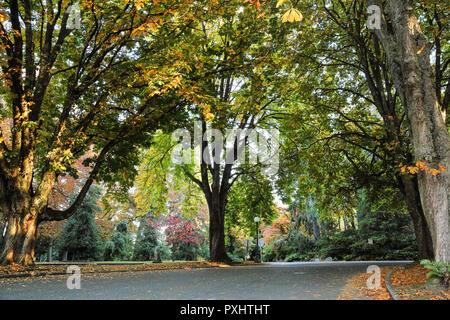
<point>275,281</point>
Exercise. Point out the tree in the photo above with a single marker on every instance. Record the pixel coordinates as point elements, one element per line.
<point>391,233</point>
<point>388,61</point>
<point>120,246</point>
<point>47,238</point>
<point>350,67</point>
<point>146,240</point>
<point>408,54</point>
<point>239,98</point>
<point>81,236</point>
<point>279,227</point>
<point>184,237</point>
<point>2,229</point>
<point>69,88</point>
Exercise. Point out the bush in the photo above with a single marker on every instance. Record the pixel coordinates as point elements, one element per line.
<point>440,271</point>
<point>295,247</point>
<point>183,251</point>
<point>235,257</point>
<point>392,235</point>
<point>298,257</point>
<point>269,253</point>
<point>120,246</point>
<point>165,252</point>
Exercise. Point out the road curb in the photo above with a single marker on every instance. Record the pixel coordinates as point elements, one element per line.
<point>389,288</point>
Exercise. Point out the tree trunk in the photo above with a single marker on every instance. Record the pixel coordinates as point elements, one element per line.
<point>410,191</point>
<point>217,233</point>
<point>408,53</point>
<point>50,252</point>
<point>20,239</point>
<point>316,229</point>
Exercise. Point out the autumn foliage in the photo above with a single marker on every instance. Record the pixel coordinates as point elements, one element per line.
<point>181,230</point>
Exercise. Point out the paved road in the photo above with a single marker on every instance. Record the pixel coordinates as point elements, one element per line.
<point>277,281</point>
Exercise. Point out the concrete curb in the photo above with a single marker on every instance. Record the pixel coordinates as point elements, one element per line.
<point>389,288</point>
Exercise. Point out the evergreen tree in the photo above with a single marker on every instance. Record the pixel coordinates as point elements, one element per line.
<point>120,246</point>
<point>146,240</point>
<point>81,235</point>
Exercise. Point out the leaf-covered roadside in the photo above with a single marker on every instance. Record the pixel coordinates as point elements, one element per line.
<point>411,283</point>
<point>408,283</point>
<point>356,288</point>
<point>93,267</point>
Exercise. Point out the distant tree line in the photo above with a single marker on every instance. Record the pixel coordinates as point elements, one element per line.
<point>81,239</point>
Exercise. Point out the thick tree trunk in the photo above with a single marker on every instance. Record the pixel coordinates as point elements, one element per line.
<point>23,213</point>
<point>217,233</point>
<point>408,53</point>
<point>20,239</point>
<point>410,191</point>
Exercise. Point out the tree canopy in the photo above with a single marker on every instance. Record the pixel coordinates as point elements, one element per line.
<point>104,93</point>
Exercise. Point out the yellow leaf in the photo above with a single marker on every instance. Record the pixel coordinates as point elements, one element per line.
<point>434,171</point>
<point>285,17</point>
<point>413,170</point>
<point>298,15</point>
<point>280,3</point>
<point>292,15</point>
<point>422,165</point>
<point>139,4</point>
<point>3,16</point>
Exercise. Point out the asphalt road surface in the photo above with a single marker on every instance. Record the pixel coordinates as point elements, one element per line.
<point>276,281</point>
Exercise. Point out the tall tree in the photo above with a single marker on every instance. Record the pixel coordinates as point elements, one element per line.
<point>408,54</point>
<point>350,67</point>
<point>238,44</point>
<point>69,86</point>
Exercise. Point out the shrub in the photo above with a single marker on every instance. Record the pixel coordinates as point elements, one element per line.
<point>295,246</point>
<point>269,254</point>
<point>120,246</point>
<point>392,235</point>
<point>299,257</point>
<point>438,271</point>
